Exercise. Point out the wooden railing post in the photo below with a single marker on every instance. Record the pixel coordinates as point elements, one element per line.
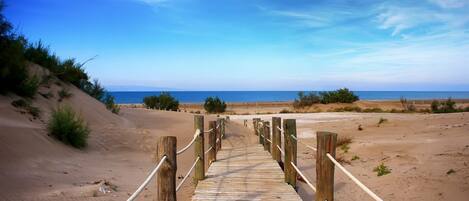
<point>276,139</point>
<point>289,126</point>
<point>267,136</point>
<point>218,134</point>
<point>261,132</point>
<point>255,124</point>
<point>326,143</point>
<point>212,154</point>
<point>166,176</point>
<point>199,149</point>
<point>223,128</point>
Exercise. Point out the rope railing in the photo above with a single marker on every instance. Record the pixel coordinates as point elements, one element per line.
<point>303,176</point>
<point>208,150</point>
<point>326,138</point>
<point>147,180</point>
<point>197,132</point>
<point>281,150</point>
<point>187,174</point>
<point>354,179</point>
<point>306,145</point>
<point>208,131</point>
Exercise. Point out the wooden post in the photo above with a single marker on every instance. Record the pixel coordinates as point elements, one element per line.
<point>276,139</point>
<point>289,126</point>
<point>223,128</point>
<point>267,144</point>
<point>218,134</point>
<point>261,132</point>
<point>166,176</point>
<point>326,143</point>
<point>255,123</point>
<point>212,154</point>
<point>199,149</point>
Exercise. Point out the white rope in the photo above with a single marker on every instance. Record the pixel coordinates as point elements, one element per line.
<point>310,147</point>
<point>268,140</point>
<point>208,131</point>
<point>197,132</point>
<point>281,151</point>
<point>187,175</point>
<point>360,184</point>
<point>218,140</point>
<point>281,130</point>
<point>301,174</point>
<point>147,180</point>
<point>208,150</point>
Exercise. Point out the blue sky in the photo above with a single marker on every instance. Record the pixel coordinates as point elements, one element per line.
<point>258,44</point>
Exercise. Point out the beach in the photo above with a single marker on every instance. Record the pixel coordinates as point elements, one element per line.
<point>419,148</point>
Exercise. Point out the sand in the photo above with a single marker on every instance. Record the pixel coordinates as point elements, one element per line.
<point>419,148</point>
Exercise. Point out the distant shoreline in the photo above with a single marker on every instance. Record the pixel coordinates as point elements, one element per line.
<point>198,97</point>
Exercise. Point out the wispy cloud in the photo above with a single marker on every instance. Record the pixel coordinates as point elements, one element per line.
<point>450,3</point>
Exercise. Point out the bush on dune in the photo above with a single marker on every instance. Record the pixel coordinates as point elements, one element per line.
<point>162,102</point>
<point>338,96</point>
<point>448,106</point>
<point>305,100</point>
<point>110,104</point>
<point>214,105</point>
<point>68,127</point>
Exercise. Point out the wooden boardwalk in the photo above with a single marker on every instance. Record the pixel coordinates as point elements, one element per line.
<point>244,171</point>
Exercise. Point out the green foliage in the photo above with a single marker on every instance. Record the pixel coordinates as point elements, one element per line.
<point>27,106</point>
<point>447,106</point>
<point>68,127</point>
<point>343,142</point>
<point>339,96</point>
<point>28,88</point>
<point>13,72</point>
<point>63,94</point>
<point>162,102</point>
<point>305,100</point>
<point>373,110</point>
<point>72,72</point>
<point>285,111</point>
<point>110,104</point>
<point>355,158</point>
<point>40,54</point>
<point>466,109</point>
<point>94,89</point>
<point>382,170</point>
<point>214,105</point>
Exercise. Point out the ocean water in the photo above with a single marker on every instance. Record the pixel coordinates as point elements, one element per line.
<point>262,96</point>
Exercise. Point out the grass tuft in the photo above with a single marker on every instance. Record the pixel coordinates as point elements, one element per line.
<point>382,170</point>
<point>68,127</point>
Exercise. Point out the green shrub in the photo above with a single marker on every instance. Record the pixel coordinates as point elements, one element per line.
<point>348,109</point>
<point>339,96</point>
<point>382,170</point>
<point>40,54</point>
<point>110,104</point>
<point>214,105</point>
<point>13,72</point>
<point>305,100</point>
<point>63,94</point>
<point>94,89</point>
<point>68,127</point>
<point>162,102</point>
<point>72,72</point>
<point>466,109</point>
<point>28,88</point>
<point>447,106</point>
<point>343,142</point>
<point>285,111</point>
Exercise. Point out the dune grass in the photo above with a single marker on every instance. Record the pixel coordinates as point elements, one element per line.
<point>68,127</point>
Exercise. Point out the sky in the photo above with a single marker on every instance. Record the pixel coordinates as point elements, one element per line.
<point>257,44</point>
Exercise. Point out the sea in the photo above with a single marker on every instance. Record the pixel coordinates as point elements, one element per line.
<point>135,97</point>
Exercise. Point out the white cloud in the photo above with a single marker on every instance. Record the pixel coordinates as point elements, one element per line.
<point>450,3</point>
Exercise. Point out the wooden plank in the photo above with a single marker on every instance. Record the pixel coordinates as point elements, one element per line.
<point>244,172</point>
